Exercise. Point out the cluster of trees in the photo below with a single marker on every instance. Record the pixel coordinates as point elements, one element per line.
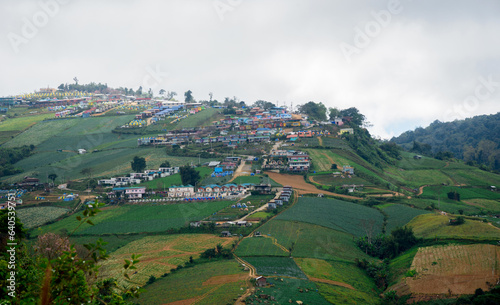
<point>54,271</point>
<point>189,175</point>
<point>475,140</point>
<point>91,87</point>
<point>10,156</point>
<point>454,195</point>
<point>217,252</point>
<point>383,246</point>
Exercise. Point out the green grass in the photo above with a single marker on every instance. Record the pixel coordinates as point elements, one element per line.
<point>275,266</point>
<point>418,177</point>
<point>138,219</point>
<point>160,183</point>
<point>400,265</point>
<point>473,176</point>
<point>345,272</point>
<point>465,192</point>
<point>187,283</point>
<point>36,216</point>
<point>335,214</point>
<point>407,162</point>
<point>286,289</point>
<point>260,215</point>
<point>114,242</point>
<point>259,246</point>
<point>432,226</point>
<point>400,215</point>
<point>312,241</point>
<point>21,123</point>
<point>328,179</point>
<point>247,179</point>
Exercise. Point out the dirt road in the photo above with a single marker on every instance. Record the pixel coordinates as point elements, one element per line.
<point>242,170</point>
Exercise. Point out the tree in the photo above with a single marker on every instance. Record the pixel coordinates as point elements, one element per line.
<point>87,172</point>
<point>53,177</point>
<point>61,87</point>
<point>315,111</point>
<point>211,95</point>
<point>263,104</point>
<point>139,91</point>
<point>138,164</point>
<point>188,96</point>
<point>162,92</point>
<point>165,164</point>
<point>150,92</point>
<point>189,175</point>
<point>333,113</point>
<point>357,118</point>
<point>171,94</point>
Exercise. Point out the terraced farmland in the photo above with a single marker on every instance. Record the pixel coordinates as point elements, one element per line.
<point>140,218</point>
<point>159,254</point>
<point>335,214</point>
<point>37,216</point>
<point>400,215</point>
<point>275,266</point>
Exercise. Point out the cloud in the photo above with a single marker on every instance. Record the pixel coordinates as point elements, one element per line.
<point>425,62</point>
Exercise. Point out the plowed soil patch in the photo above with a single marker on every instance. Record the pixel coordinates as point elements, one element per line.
<point>224,279</point>
<point>298,183</point>
<point>454,269</point>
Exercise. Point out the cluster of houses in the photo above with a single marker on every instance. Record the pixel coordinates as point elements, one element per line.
<point>288,160</point>
<point>136,178</point>
<point>274,118</point>
<point>280,198</point>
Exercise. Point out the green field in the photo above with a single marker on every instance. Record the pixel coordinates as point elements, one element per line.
<point>465,192</point>
<point>407,162</point>
<point>168,181</point>
<point>308,240</point>
<point>437,226</point>
<point>400,215</point>
<point>276,266</point>
<point>364,291</point>
<point>286,290</point>
<point>188,283</point>
<point>137,219</point>
<point>335,214</point>
<point>37,216</point>
<point>21,123</point>
<point>259,246</point>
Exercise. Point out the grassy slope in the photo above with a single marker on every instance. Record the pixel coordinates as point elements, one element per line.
<point>335,214</point>
<point>188,283</point>
<point>134,218</point>
<point>400,215</point>
<point>437,226</point>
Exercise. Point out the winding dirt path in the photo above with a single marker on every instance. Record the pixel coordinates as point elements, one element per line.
<point>320,140</point>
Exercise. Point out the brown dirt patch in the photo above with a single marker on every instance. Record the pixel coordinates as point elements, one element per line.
<point>298,183</point>
<point>454,269</point>
<point>224,279</point>
<point>331,282</point>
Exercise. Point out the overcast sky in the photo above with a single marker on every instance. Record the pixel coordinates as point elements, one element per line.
<point>401,63</point>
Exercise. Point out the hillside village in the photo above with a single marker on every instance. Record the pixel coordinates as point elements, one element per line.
<point>247,203</point>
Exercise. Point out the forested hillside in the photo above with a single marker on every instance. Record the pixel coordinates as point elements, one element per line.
<point>474,139</point>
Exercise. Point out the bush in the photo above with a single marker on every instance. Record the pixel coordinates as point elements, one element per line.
<point>151,280</point>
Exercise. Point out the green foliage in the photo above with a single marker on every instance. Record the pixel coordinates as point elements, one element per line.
<point>10,156</point>
<point>315,111</point>
<point>399,215</point>
<point>454,195</point>
<point>400,240</point>
<point>138,164</point>
<point>58,274</point>
<point>474,139</point>
<point>188,96</point>
<point>263,104</point>
<point>189,175</point>
<point>36,216</point>
<point>357,118</point>
<point>457,221</point>
<point>392,150</point>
